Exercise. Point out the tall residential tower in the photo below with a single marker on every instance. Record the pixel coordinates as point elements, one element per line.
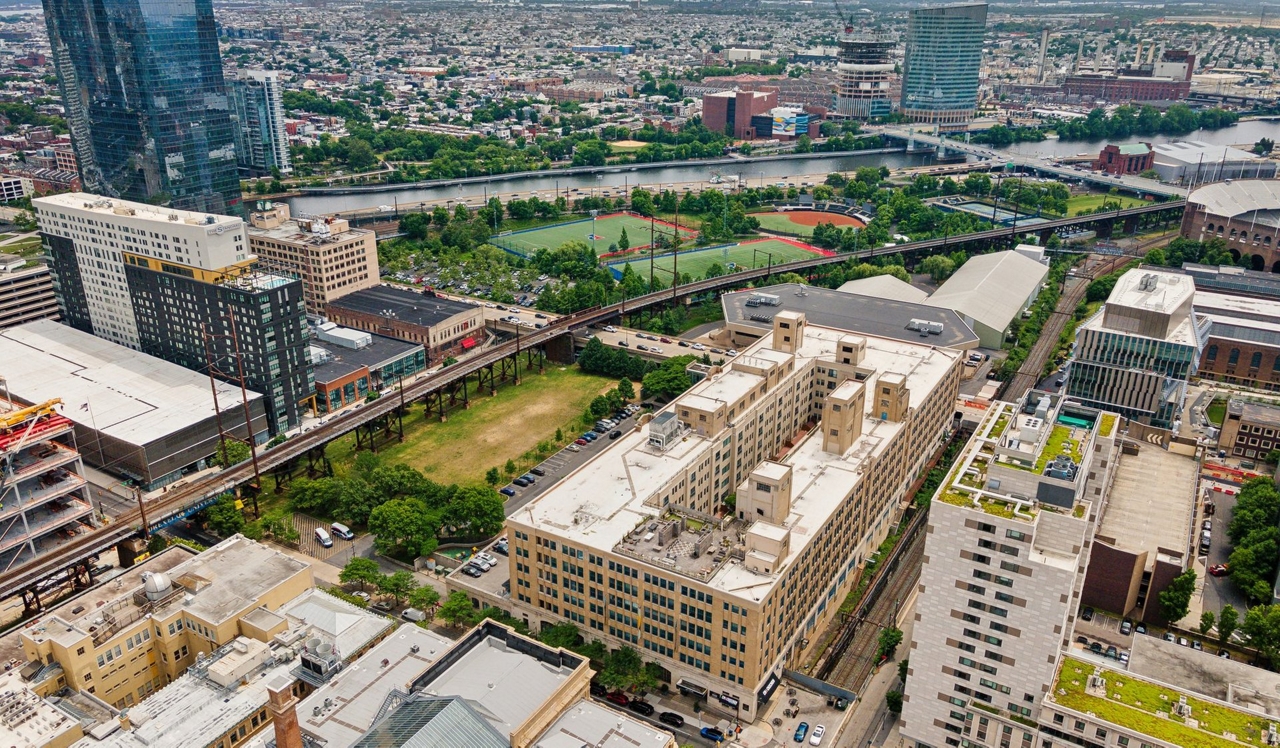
<point>257,112</point>
<point>940,69</point>
<point>145,100</point>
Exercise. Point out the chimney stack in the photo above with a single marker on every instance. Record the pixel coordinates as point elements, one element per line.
<point>284,713</point>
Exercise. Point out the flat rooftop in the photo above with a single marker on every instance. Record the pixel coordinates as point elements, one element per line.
<point>342,624</point>
<point>1232,681</point>
<point>158,213</point>
<point>357,692</point>
<point>1236,306</point>
<point>588,723</point>
<point>1267,415</point>
<point>1164,295</point>
<point>292,233</point>
<point>407,306</point>
<point>856,313</point>
<point>346,360</point>
<point>604,502</point>
<point>131,396</point>
<point>29,721</point>
<point>1139,519</point>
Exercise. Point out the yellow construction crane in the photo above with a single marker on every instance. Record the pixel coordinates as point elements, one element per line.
<point>14,418</point>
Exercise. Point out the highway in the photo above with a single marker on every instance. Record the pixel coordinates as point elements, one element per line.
<point>1040,164</point>
<point>201,492</point>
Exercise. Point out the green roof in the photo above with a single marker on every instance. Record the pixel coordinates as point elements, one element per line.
<point>1135,149</point>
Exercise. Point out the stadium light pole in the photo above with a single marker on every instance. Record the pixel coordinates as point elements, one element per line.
<point>594,213</point>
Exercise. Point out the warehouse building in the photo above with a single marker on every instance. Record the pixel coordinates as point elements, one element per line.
<point>1196,162</point>
<point>442,325</point>
<point>990,291</point>
<point>135,415</point>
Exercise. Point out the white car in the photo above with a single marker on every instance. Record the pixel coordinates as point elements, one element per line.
<point>699,347</point>
<point>815,738</point>
<point>610,328</point>
<point>731,353</point>
<point>655,349</point>
<point>574,448</point>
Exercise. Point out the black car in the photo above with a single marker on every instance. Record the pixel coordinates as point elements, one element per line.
<point>538,471</point>
<point>683,344</point>
<point>521,482</point>
<point>597,689</point>
<point>471,571</point>
<point>615,435</point>
<point>671,718</point>
<point>641,707</point>
<point>1086,614</point>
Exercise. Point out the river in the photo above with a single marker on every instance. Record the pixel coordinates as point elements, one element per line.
<point>1242,133</point>
<point>752,173</point>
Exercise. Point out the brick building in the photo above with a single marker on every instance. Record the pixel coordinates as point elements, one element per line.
<point>1243,213</point>
<point>731,111</point>
<point>1242,345</point>
<point>1250,429</point>
<point>442,325</point>
<point>1125,159</point>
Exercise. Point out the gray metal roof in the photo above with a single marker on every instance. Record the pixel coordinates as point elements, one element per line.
<point>868,315</point>
<point>1239,197</point>
<point>991,288</point>
<point>404,305</point>
<point>432,722</point>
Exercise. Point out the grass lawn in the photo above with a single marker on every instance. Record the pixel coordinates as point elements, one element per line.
<point>1093,201</point>
<point>493,430</point>
<point>782,222</point>
<point>1216,411</point>
<point>27,248</point>
<point>608,231</point>
<point>696,261</point>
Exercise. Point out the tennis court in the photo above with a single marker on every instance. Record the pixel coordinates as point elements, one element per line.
<point>695,262</point>
<point>608,230</point>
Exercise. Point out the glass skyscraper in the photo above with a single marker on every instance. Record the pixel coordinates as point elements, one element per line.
<point>257,112</point>
<point>146,101</point>
<point>940,68</point>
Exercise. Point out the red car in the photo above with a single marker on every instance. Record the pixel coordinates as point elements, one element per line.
<point>665,340</point>
<point>580,442</point>
<point>1220,570</point>
<point>618,698</point>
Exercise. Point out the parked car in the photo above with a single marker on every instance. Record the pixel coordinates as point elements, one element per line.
<point>1168,636</point>
<point>617,697</point>
<point>507,491</point>
<point>1141,627</point>
<point>711,733</point>
<point>640,706</point>
<point>671,718</point>
<point>1124,657</point>
<point>664,340</point>
<point>362,595</point>
<point>471,571</point>
<point>574,447</point>
<point>1086,614</point>
<point>529,478</point>
<point>615,435</point>
<point>1126,627</point>
<point>579,443</point>
<point>598,690</point>
<point>383,606</point>
<point>1096,647</point>
<point>538,472</point>
<point>816,737</point>
<point>1113,652</point>
<point>1082,640</point>
<point>802,732</point>
<point>1219,570</point>
<point>1224,654</point>
<point>1207,525</point>
<point>1196,645</point>
<point>342,531</point>
<point>1182,642</point>
<point>521,482</point>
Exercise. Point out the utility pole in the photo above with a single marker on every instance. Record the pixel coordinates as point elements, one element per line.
<point>651,250</point>
<point>248,421</point>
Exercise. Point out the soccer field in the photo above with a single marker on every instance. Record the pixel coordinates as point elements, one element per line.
<point>696,261</point>
<point>608,230</point>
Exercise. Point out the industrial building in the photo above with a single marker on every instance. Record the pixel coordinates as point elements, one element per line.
<point>44,499</point>
<point>26,292</point>
<point>351,364</point>
<point>941,65</point>
<point>817,432</point>
<point>442,325</point>
<point>867,312</point>
<point>1244,213</point>
<point>182,286</point>
<point>1136,356</point>
<point>330,257</point>
<point>134,415</point>
<point>1130,158</point>
<point>1195,162</point>
<point>1242,345</point>
<point>1007,534</point>
<point>990,291</point>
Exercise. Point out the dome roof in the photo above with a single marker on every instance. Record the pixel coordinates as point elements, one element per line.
<point>157,582</point>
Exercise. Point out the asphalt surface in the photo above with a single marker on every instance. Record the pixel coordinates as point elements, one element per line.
<point>1220,591</point>
<point>561,464</point>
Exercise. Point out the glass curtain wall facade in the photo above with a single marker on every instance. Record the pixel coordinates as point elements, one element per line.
<point>942,62</point>
<point>146,102</point>
<point>257,112</point>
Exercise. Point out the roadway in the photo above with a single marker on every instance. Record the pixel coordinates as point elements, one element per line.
<point>1040,164</point>
<point>200,493</point>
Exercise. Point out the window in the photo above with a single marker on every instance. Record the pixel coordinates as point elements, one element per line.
<point>1234,357</point>
<point>1212,354</point>
<point>1256,360</point>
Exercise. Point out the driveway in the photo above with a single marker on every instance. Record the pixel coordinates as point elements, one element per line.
<point>561,464</point>
<point>1220,591</point>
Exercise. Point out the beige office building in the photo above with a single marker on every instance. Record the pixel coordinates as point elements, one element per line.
<point>330,257</point>
<point>26,292</point>
<point>722,533</point>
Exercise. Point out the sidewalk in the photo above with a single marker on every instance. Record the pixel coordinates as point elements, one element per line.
<point>871,723</point>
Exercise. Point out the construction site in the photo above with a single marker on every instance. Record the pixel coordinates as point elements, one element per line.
<point>43,492</point>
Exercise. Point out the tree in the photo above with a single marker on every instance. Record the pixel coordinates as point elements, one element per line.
<point>624,242</point>
<point>1206,622</point>
<point>890,638</point>
<point>475,511</point>
<point>440,216</point>
<point>318,496</point>
<point>563,635</point>
<point>1261,629</point>
<point>362,570</point>
<point>1228,622</point>
<point>669,379</point>
<point>230,452</point>
<point>360,155</point>
<point>893,701</point>
<point>225,518</point>
<point>510,467</point>
<point>939,267</point>
<point>424,598</point>
<point>405,528</point>
<point>457,610</point>
<point>1175,600</point>
<point>493,476</point>
<point>398,585</point>
<point>625,389</point>
<point>903,664</point>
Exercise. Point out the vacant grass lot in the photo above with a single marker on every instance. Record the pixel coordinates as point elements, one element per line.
<point>493,430</point>
<point>1093,202</point>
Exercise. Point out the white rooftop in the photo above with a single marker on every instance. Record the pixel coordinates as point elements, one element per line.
<point>885,287</point>
<point>590,724</point>
<point>1239,197</point>
<point>29,721</point>
<point>83,201</point>
<point>602,501</point>
<point>1239,308</point>
<point>340,623</point>
<point>129,395</point>
<point>357,692</point>
<point>1170,291</point>
<point>1198,151</point>
<point>991,288</point>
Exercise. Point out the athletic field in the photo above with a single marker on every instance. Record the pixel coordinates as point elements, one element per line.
<point>801,221</point>
<point>737,256</point>
<point>607,229</point>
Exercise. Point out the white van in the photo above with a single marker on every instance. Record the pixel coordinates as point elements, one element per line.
<point>323,538</point>
<point>340,530</point>
<point>413,614</point>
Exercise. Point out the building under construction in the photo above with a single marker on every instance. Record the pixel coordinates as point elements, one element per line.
<point>43,493</point>
<point>864,74</point>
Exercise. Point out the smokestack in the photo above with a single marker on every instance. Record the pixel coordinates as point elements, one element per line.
<point>1079,54</point>
<point>1137,58</point>
<point>284,713</point>
<point>1044,51</point>
<point>1151,53</point>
